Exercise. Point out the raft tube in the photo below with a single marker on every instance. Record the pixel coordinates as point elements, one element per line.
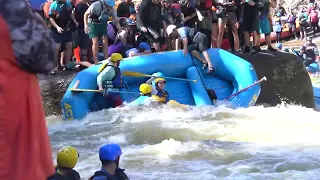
<point>232,74</point>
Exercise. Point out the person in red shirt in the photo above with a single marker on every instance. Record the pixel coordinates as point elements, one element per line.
<point>26,49</point>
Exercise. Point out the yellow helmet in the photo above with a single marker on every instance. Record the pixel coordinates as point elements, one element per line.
<point>115,57</point>
<point>160,79</point>
<point>145,88</point>
<point>67,157</point>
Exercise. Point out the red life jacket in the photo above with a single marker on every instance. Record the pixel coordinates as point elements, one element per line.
<point>314,16</point>
<point>25,146</point>
<point>208,4</point>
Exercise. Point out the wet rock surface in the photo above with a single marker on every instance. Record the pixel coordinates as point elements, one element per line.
<point>53,88</point>
<point>288,81</point>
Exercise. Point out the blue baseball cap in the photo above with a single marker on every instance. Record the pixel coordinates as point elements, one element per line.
<point>144,45</point>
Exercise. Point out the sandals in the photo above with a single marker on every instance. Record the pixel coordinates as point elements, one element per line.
<point>210,70</point>
<point>204,65</point>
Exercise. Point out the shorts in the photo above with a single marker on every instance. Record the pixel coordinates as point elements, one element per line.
<point>230,18</point>
<point>66,37</point>
<point>97,30</point>
<point>302,28</point>
<point>292,26</point>
<point>83,39</point>
<point>152,35</point>
<point>264,25</point>
<point>200,43</point>
<point>250,19</point>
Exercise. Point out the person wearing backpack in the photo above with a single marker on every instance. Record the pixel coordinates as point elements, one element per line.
<point>109,155</point>
<point>95,23</point>
<point>314,20</point>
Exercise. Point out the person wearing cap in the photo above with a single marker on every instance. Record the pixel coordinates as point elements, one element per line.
<point>176,16</point>
<point>193,42</point>
<point>143,48</point>
<point>109,155</point>
<point>95,23</point>
<point>307,55</point>
<point>312,46</point>
<point>67,158</point>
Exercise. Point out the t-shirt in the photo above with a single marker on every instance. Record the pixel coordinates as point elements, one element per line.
<point>184,32</point>
<point>96,8</point>
<point>80,9</point>
<point>56,9</point>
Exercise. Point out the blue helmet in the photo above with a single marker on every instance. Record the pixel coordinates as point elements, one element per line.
<point>109,152</point>
<point>110,2</point>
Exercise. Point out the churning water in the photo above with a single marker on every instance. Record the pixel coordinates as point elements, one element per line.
<point>199,143</point>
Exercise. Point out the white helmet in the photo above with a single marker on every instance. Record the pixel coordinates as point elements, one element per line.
<point>170,29</point>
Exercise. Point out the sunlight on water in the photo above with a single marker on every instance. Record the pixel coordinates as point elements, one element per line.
<point>199,143</point>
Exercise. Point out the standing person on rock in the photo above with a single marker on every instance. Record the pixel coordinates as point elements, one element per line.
<point>27,49</point>
<point>149,21</point>
<point>264,24</point>
<point>95,23</point>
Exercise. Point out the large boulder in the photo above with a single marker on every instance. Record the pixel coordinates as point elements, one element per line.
<point>53,89</point>
<point>288,81</point>
<point>287,78</point>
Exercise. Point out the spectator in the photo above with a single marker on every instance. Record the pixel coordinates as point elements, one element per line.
<point>250,24</point>
<point>277,26</point>
<point>149,21</point>
<point>204,23</point>
<point>214,30</point>
<point>314,20</point>
<point>27,49</point>
<point>176,16</point>
<point>83,38</point>
<point>281,10</point>
<point>190,17</point>
<point>264,24</point>
<point>238,11</point>
<point>227,15</point>
<point>95,23</point>
<point>63,22</point>
<point>292,25</point>
<point>303,21</point>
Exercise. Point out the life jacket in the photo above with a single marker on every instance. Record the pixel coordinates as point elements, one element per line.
<point>314,16</point>
<point>140,100</point>
<point>163,96</point>
<point>116,80</point>
<point>119,175</point>
<point>23,127</point>
<point>74,175</point>
<point>291,19</point>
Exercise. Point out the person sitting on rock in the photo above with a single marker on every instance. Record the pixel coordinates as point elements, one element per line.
<point>312,46</point>
<point>308,56</point>
<point>192,41</point>
<point>67,158</point>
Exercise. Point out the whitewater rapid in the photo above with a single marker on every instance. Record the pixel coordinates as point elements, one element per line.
<point>198,143</point>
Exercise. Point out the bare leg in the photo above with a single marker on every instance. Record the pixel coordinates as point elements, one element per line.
<point>68,52</point>
<point>95,49</point>
<point>198,56</point>
<point>105,47</point>
<point>220,34</point>
<point>157,46</point>
<point>214,35</point>
<point>86,64</point>
<point>236,39</point>
<point>62,56</point>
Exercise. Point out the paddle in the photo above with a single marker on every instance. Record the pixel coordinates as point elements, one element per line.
<point>94,90</point>
<point>235,94</point>
<point>137,74</point>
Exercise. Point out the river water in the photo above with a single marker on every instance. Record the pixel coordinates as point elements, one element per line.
<point>280,142</point>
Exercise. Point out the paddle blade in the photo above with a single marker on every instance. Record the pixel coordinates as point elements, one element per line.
<point>135,74</point>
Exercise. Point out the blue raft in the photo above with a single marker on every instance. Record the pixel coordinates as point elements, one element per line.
<point>232,74</point>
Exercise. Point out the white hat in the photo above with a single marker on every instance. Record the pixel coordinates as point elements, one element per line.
<point>170,28</point>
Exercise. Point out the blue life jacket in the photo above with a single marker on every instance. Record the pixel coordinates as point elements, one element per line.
<point>162,94</point>
<point>119,175</point>
<point>116,80</point>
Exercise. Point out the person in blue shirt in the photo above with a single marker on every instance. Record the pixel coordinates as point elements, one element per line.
<point>109,155</point>
<point>193,42</point>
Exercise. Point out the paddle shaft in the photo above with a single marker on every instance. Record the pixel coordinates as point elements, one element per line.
<point>235,94</point>
<point>93,90</point>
